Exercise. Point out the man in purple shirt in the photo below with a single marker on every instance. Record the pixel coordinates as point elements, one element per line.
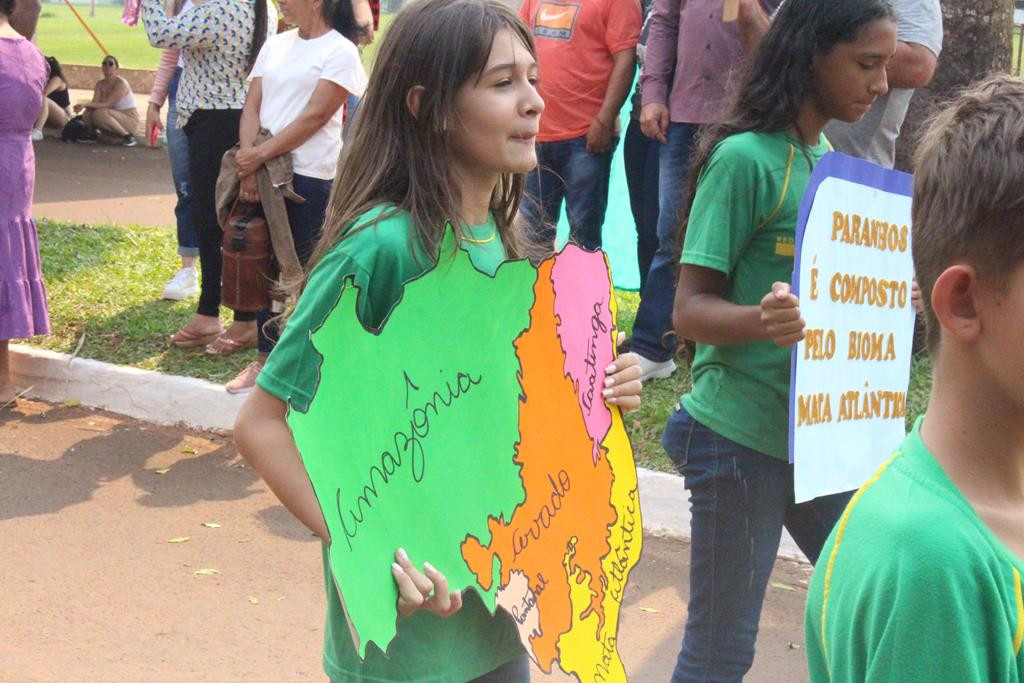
<point>688,80</point>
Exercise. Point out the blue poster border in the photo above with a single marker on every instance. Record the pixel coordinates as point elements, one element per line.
<point>844,167</point>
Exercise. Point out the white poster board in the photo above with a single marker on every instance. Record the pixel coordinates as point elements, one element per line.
<point>853,275</point>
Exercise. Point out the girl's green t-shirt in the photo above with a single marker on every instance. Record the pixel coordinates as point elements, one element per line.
<point>743,223</point>
<point>380,260</point>
<point>913,587</point>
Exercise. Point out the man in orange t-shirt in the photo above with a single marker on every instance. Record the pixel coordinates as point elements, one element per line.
<point>586,52</point>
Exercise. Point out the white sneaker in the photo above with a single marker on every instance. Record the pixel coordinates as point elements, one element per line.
<point>183,285</point>
<point>36,135</point>
<point>655,370</point>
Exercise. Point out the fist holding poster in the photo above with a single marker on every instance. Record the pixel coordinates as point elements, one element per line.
<point>853,274</point>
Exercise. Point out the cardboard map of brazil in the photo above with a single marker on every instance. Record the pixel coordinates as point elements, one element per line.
<point>471,431</point>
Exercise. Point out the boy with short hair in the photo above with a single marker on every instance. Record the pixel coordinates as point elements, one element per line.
<point>922,575</point>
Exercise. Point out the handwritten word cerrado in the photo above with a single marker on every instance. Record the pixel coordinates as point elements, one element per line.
<point>546,514</point>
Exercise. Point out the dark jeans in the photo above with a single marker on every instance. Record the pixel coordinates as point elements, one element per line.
<point>306,220</point>
<point>515,671</point>
<point>177,149</point>
<point>739,501</point>
<point>653,337</point>
<point>640,155</point>
<point>211,133</point>
<point>565,169</point>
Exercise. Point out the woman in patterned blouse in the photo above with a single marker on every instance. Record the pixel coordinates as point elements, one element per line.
<point>219,41</point>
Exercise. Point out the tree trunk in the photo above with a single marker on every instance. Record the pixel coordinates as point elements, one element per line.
<point>976,41</point>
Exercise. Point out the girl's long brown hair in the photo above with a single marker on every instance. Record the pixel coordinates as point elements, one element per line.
<point>779,75</point>
<point>402,160</point>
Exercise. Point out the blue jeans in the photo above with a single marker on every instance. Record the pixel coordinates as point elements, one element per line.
<point>653,337</point>
<point>514,671</point>
<point>566,170</point>
<point>177,149</point>
<point>641,157</point>
<point>739,500</point>
<point>351,105</point>
<point>306,220</point>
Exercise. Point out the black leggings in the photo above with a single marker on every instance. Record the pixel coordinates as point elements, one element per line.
<point>211,133</point>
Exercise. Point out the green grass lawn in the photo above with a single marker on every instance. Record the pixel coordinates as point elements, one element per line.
<point>104,282</point>
<point>62,36</point>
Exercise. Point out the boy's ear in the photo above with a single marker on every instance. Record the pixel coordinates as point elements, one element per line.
<point>413,98</point>
<point>954,301</point>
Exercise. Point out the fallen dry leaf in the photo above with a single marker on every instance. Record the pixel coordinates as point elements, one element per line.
<point>783,586</point>
<point>254,600</point>
<point>188,449</point>
<point>71,403</point>
<point>179,539</point>
<point>211,525</point>
<point>164,470</point>
<point>205,572</point>
<point>649,609</point>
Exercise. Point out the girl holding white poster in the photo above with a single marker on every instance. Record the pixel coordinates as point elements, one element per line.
<point>819,61</point>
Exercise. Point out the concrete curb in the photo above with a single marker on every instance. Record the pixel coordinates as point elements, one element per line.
<point>170,399</point>
<point>142,394</point>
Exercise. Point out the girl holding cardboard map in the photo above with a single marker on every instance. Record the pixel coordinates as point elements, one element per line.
<point>819,61</point>
<point>443,138</point>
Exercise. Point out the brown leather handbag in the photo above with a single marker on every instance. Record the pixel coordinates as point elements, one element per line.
<point>248,272</point>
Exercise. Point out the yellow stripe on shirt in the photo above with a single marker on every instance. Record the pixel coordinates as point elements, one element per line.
<point>1018,639</point>
<point>835,549</point>
<point>785,189</point>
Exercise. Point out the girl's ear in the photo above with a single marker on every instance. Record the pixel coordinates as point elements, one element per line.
<point>953,300</point>
<point>413,98</point>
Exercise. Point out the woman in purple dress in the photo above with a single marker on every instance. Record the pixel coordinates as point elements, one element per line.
<point>23,74</point>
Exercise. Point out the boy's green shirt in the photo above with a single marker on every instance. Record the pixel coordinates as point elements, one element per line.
<point>913,587</point>
<point>427,648</point>
<point>743,223</point>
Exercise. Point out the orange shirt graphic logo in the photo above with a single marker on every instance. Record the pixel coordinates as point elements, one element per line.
<point>555,20</point>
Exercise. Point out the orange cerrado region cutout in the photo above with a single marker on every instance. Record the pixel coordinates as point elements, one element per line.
<point>566,492</point>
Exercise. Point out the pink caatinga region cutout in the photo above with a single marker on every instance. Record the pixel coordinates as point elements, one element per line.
<point>586,332</point>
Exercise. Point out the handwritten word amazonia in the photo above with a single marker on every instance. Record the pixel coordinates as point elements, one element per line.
<point>408,450</point>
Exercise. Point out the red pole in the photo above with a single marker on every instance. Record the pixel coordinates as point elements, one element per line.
<point>86,26</point>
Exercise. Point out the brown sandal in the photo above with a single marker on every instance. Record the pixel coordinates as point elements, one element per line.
<point>225,346</point>
<point>187,339</point>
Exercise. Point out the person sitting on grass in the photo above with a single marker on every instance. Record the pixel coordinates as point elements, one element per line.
<point>923,574</point>
<point>112,109</point>
<point>56,101</point>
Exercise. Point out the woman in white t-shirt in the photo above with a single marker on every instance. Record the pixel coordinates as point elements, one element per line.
<point>297,87</point>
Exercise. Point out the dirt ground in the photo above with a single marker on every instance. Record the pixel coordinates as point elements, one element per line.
<point>111,530</point>
<point>97,183</point>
